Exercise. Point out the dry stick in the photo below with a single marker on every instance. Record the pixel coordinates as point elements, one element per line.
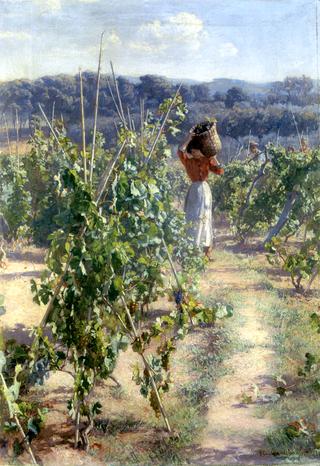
<point>96,110</point>
<point>142,121</point>
<point>57,289</point>
<point>147,116</point>
<point>174,270</point>
<point>83,129</point>
<point>318,71</point>
<point>7,132</point>
<point>117,91</point>
<point>16,419</point>
<point>115,103</point>
<point>51,129</point>
<point>163,123</point>
<point>248,148</point>
<point>171,263</point>
<point>17,138</point>
<point>148,368</point>
<point>53,112</point>
<point>116,127</point>
<point>297,129</point>
<point>107,173</point>
<point>315,272</point>
<point>260,174</point>
<point>77,427</point>
<point>129,119</point>
<point>237,154</point>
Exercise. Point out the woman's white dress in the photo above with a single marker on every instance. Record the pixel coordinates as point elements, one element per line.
<point>198,209</point>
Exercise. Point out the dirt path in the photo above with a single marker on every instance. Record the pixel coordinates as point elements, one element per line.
<point>235,434</point>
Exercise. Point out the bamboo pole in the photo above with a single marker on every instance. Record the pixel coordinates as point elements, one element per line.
<point>142,121</point>
<point>148,368</point>
<point>107,173</point>
<point>116,127</point>
<point>77,427</point>
<point>249,140</point>
<point>17,139</point>
<point>163,124</point>
<point>317,66</point>
<point>118,93</point>
<point>83,128</point>
<point>7,133</point>
<point>129,119</point>
<point>96,106</point>
<point>53,112</point>
<point>51,129</point>
<point>171,263</point>
<point>16,419</point>
<point>297,129</point>
<point>115,102</point>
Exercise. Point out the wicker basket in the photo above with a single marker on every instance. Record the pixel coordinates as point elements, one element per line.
<point>205,138</point>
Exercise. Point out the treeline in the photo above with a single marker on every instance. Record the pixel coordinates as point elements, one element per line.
<point>284,108</point>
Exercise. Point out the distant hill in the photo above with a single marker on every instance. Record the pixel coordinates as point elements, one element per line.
<point>218,84</point>
<point>223,84</point>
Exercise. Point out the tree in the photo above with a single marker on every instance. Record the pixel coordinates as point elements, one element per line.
<point>201,92</point>
<point>154,88</point>
<point>234,95</point>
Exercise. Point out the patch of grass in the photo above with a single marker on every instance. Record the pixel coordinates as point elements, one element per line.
<point>279,443</point>
<point>147,443</point>
<point>205,367</point>
<point>116,426</point>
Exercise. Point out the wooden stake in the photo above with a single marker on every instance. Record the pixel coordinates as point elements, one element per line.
<point>16,420</point>
<point>96,111</point>
<point>83,129</point>
<point>118,93</point>
<point>115,103</point>
<point>171,264</point>
<point>17,138</point>
<point>53,112</point>
<point>129,119</point>
<point>51,129</point>
<point>142,121</point>
<point>7,132</point>
<point>163,124</point>
<point>148,368</point>
<point>297,129</point>
<point>107,173</point>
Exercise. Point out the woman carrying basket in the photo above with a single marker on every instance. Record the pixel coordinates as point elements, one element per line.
<point>198,155</point>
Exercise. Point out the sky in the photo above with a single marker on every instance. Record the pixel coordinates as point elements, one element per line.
<point>255,40</point>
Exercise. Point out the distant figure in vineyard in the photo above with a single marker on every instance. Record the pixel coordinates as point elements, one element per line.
<point>199,159</point>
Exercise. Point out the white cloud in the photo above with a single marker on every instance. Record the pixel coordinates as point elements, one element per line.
<point>88,1</point>
<point>48,6</point>
<point>14,35</point>
<point>184,29</point>
<point>228,49</point>
<point>112,38</point>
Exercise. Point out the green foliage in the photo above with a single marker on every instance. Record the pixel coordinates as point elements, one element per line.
<point>23,417</point>
<point>108,261</point>
<point>253,193</point>
<point>14,196</point>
